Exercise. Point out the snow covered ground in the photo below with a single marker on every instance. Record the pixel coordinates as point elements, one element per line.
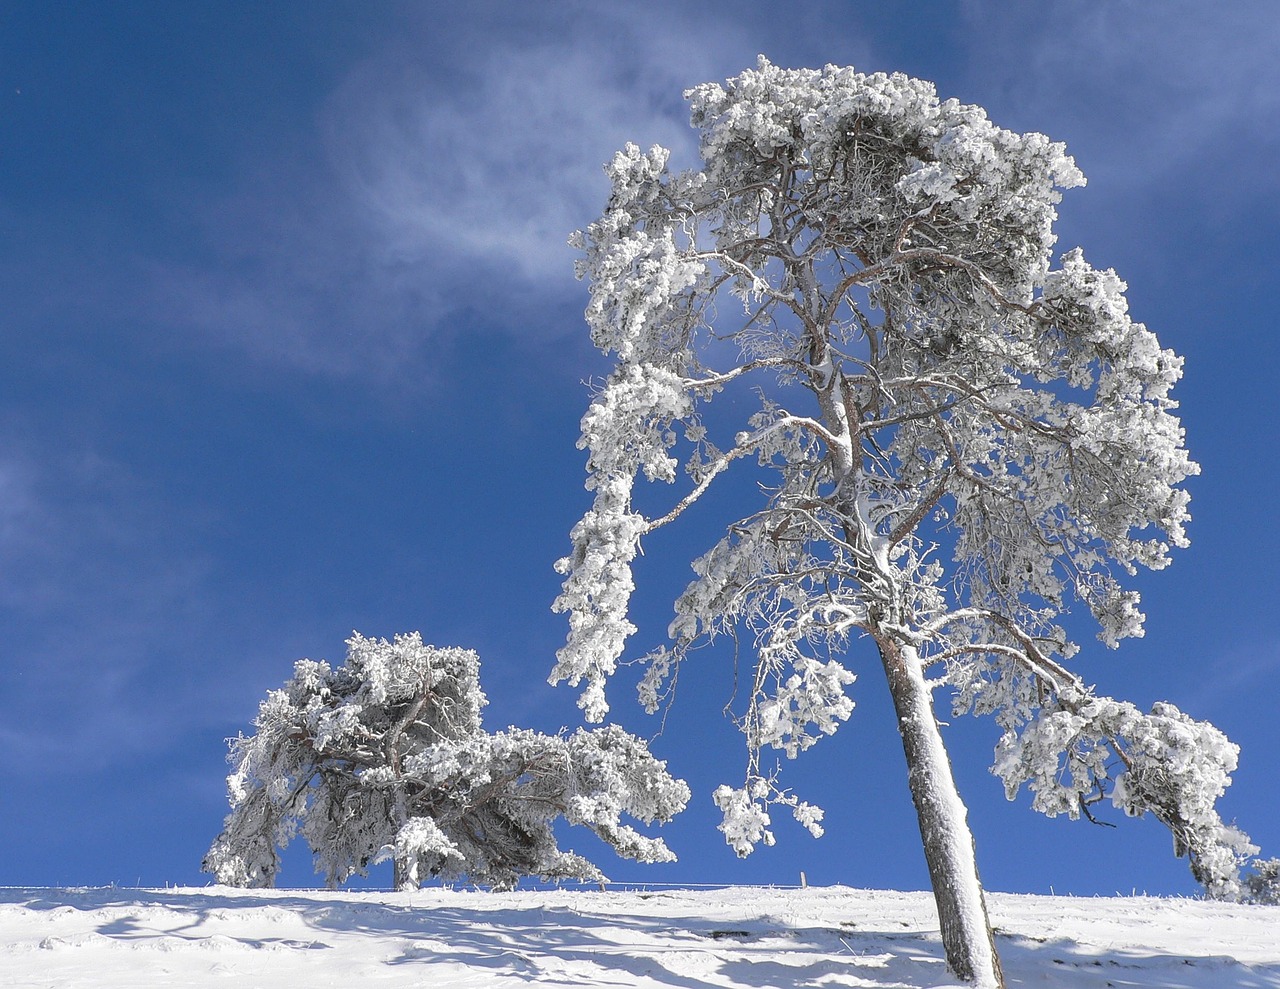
<point>754,938</point>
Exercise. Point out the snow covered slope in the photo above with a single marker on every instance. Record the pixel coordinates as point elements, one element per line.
<point>752,937</point>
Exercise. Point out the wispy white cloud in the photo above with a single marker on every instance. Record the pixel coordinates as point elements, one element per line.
<point>1180,91</point>
<point>442,197</point>
<point>103,592</point>
<point>16,501</point>
<point>501,174</point>
<point>1250,669</point>
<point>435,190</point>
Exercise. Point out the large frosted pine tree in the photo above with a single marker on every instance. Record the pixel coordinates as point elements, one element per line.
<point>956,440</point>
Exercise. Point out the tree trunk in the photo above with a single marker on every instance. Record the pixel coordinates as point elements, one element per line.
<point>405,865</point>
<point>948,844</point>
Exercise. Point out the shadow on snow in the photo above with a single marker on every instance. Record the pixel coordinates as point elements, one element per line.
<point>587,938</point>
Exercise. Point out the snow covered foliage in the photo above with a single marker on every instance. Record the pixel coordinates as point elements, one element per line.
<point>1261,883</point>
<point>385,758</point>
<point>958,440</point>
<point>1169,765</point>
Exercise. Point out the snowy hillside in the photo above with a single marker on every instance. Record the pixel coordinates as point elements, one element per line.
<point>753,937</point>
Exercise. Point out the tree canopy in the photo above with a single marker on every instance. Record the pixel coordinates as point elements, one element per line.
<point>385,757</point>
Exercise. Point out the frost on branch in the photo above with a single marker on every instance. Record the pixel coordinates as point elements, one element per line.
<point>1168,765</point>
<point>626,430</point>
<point>746,817</point>
<point>957,437</point>
<point>385,758</point>
<point>1261,884</point>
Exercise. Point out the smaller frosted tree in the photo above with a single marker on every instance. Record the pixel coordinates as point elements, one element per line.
<point>386,758</point>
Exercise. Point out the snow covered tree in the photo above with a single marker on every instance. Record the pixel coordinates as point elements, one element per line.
<point>1261,884</point>
<point>956,440</point>
<point>385,758</point>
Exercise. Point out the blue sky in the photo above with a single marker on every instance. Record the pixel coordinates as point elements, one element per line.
<point>291,346</point>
